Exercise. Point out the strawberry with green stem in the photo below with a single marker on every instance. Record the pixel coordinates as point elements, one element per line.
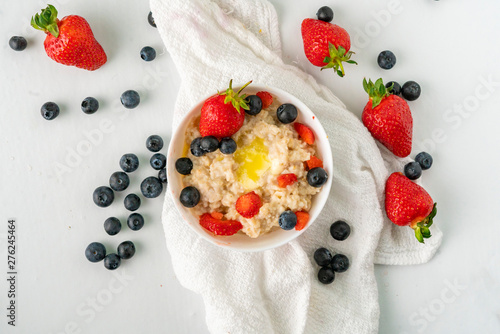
<point>326,45</point>
<point>388,118</point>
<point>221,114</point>
<point>408,204</point>
<point>70,41</point>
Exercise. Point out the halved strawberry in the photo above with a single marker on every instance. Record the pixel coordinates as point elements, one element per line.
<point>248,205</point>
<point>217,215</point>
<point>220,227</point>
<point>304,132</point>
<point>302,220</point>
<point>267,99</point>
<point>314,162</point>
<point>285,180</point>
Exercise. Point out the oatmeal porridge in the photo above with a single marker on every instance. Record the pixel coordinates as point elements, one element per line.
<point>266,150</point>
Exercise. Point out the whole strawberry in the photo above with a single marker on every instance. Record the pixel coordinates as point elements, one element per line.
<point>388,118</point>
<point>326,45</point>
<point>408,204</point>
<point>69,41</point>
<point>221,114</point>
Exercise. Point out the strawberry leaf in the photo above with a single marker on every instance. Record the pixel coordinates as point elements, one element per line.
<point>376,91</point>
<point>46,21</point>
<point>365,86</point>
<point>422,230</point>
<point>237,101</point>
<point>336,58</point>
<point>419,236</point>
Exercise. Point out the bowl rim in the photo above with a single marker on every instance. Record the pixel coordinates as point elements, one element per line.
<point>328,160</point>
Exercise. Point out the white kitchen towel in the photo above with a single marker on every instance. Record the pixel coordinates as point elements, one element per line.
<point>276,291</point>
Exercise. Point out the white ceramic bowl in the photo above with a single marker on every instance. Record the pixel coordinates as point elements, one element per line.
<point>241,241</point>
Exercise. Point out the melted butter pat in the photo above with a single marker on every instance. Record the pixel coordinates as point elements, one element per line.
<point>254,162</point>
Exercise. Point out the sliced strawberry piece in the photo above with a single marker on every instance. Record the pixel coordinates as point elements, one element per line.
<point>219,227</point>
<point>304,132</point>
<point>285,180</point>
<point>248,205</point>
<point>314,162</point>
<point>217,215</point>
<point>302,220</point>
<point>267,99</point>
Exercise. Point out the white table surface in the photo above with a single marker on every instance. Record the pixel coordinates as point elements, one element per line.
<point>450,47</point>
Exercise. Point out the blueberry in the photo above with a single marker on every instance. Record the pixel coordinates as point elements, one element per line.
<point>112,261</point>
<point>340,230</point>
<point>95,252</point>
<point>148,53</point>
<point>411,90</point>
<point>18,43</point>
<point>255,104</point>
<point>184,166</point>
<point>196,149</point>
<point>227,145</point>
<point>132,202</point>
<point>287,220</point>
<point>129,162</point>
<point>326,275</point>
<point>424,159</point>
<point>340,263</point>
<point>112,226</point>
<point>126,250</point>
<point>135,222</point>
<point>386,60</point>
<point>413,170</point>
<point>317,177</point>
<point>287,113</point>
<point>154,143</point>
<point>151,19</point>
<point>49,111</point>
<point>130,99</point>
<point>323,257</point>
<point>162,175</point>
<point>190,197</point>
<point>119,181</point>
<point>151,187</point>
<point>90,105</point>
<point>103,196</point>
<point>325,13</point>
<point>158,161</point>
<point>209,144</point>
<point>396,87</point>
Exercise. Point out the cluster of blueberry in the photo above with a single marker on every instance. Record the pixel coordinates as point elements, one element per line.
<point>329,264</point>
<point>96,252</point>
<point>203,145</point>
<point>410,91</point>
<point>103,196</point>
<point>413,170</point>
